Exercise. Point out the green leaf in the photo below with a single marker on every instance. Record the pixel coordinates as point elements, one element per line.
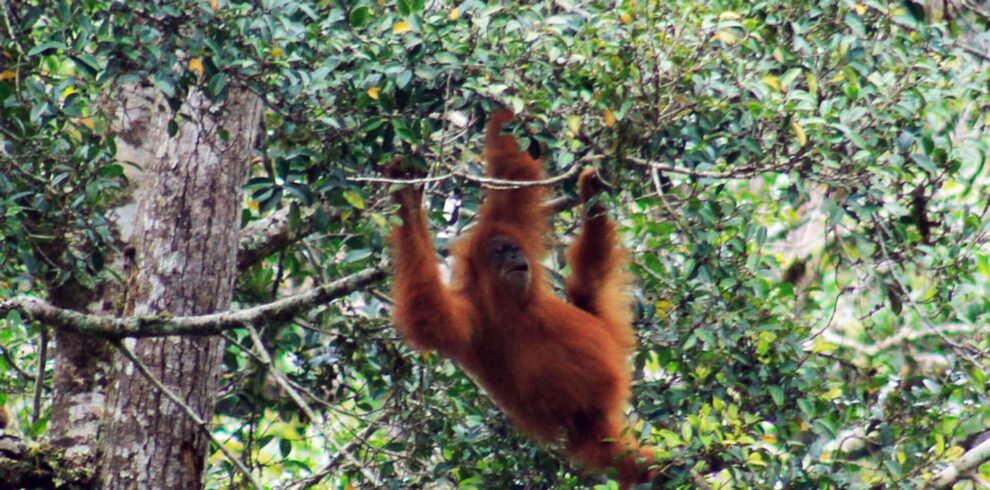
<point>46,48</point>
<point>360,17</point>
<point>354,199</point>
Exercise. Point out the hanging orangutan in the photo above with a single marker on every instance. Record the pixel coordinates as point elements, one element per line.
<point>556,368</point>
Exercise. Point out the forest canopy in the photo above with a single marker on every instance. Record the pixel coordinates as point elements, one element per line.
<point>802,186</point>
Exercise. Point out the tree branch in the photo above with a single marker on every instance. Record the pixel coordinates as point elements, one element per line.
<point>489,182</point>
<point>486,182</point>
<point>740,173</point>
<point>264,237</point>
<point>112,328</point>
<point>969,462</point>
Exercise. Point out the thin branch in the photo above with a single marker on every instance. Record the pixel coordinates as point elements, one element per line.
<point>957,347</point>
<point>503,184</point>
<point>39,380</point>
<point>904,336</point>
<point>973,51</point>
<point>13,363</point>
<point>316,420</point>
<point>315,478</point>
<point>10,29</point>
<point>416,181</point>
<point>486,182</point>
<point>489,182</point>
<point>742,173</point>
<point>968,463</point>
<point>112,328</point>
<point>129,354</point>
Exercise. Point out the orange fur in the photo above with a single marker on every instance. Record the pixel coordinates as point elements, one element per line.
<point>556,368</point>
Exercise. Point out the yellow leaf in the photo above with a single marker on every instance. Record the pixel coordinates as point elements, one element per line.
<point>860,9</point>
<point>574,123</point>
<point>400,27</point>
<point>196,65</point>
<point>663,307</point>
<point>725,37</point>
<point>812,83</point>
<point>625,17</point>
<point>276,52</point>
<point>821,345</point>
<point>756,458</point>
<point>772,82</point>
<point>802,137</point>
<point>7,75</point>
<point>373,92</point>
<point>73,133</point>
<point>729,15</point>
<point>832,394</point>
<point>455,13</point>
<point>68,91</point>
<point>609,118</point>
<point>215,5</point>
<point>85,121</point>
<point>717,403</point>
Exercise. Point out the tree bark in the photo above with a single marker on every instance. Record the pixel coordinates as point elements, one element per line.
<point>185,245</point>
<point>81,366</point>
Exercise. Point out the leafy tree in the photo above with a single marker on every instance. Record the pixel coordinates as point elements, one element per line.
<point>803,187</point>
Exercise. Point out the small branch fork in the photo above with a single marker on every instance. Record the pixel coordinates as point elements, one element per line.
<point>283,382</point>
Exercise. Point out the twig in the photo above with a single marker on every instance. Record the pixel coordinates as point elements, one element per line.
<point>10,29</point>
<point>657,185</point>
<point>486,182</point>
<point>317,421</point>
<point>416,181</point>
<point>39,379</point>
<point>973,51</point>
<point>905,335</point>
<point>10,360</point>
<point>699,481</point>
<point>489,182</point>
<point>504,184</point>
<point>743,173</point>
<point>959,348</point>
<point>341,452</point>
<point>129,354</point>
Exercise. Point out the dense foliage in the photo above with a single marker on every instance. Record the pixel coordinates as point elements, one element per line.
<point>802,185</point>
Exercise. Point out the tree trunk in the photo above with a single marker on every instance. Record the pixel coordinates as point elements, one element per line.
<point>185,244</point>
<point>81,367</point>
